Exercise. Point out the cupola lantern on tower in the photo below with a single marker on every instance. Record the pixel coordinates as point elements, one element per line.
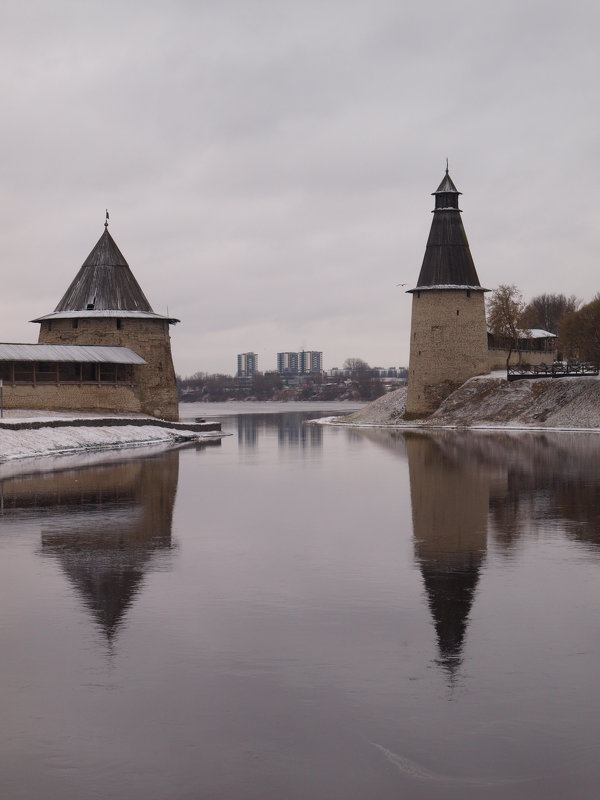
<point>448,337</point>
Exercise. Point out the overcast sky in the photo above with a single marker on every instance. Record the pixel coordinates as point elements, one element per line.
<point>268,165</point>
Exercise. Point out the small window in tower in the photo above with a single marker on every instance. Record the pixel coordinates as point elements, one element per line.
<point>468,293</point>
<point>74,323</point>
<point>418,295</point>
<point>415,335</point>
<point>119,324</point>
<point>457,312</point>
<point>90,307</point>
<point>50,325</point>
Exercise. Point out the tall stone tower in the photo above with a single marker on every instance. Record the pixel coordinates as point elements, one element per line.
<point>448,336</point>
<point>105,305</point>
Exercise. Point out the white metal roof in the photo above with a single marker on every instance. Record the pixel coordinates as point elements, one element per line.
<point>69,352</point>
<point>439,286</point>
<point>536,333</point>
<point>104,313</point>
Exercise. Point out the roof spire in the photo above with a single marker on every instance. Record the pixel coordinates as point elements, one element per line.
<point>106,220</point>
<point>448,261</point>
<point>447,186</point>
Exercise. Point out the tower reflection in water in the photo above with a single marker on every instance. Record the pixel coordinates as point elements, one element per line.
<point>469,488</point>
<point>450,498</point>
<point>106,525</point>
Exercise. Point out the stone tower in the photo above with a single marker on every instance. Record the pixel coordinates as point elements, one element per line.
<point>105,305</point>
<point>448,336</point>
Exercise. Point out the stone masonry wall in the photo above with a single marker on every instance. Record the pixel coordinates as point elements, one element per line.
<point>154,383</point>
<point>448,345</point>
<point>528,358</point>
<point>72,397</point>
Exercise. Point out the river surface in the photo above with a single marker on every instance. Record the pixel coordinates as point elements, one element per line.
<point>304,612</point>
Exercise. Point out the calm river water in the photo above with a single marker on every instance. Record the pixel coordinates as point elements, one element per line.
<point>304,612</point>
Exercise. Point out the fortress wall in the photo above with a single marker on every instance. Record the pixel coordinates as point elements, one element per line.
<point>530,358</point>
<point>448,345</point>
<point>119,398</point>
<point>154,383</point>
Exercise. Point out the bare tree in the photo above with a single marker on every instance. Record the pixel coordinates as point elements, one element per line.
<point>366,381</point>
<point>505,308</point>
<point>356,365</point>
<point>547,311</point>
<point>580,333</point>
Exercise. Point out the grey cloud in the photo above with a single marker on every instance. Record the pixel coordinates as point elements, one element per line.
<point>268,165</point>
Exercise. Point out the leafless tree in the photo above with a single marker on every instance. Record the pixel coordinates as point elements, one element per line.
<point>366,380</point>
<point>356,365</point>
<point>505,309</point>
<point>547,311</point>
<point>580,333</point>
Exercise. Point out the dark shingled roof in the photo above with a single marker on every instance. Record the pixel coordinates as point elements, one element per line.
<point>447,261</point>
<point>447,185</point>
<point>104,283</point>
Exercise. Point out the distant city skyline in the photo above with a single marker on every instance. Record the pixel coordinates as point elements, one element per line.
<point>303,362</point>
<point>268,170</point>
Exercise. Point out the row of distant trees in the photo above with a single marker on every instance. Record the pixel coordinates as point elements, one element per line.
<point>357,381</point>
<point>577,326</point>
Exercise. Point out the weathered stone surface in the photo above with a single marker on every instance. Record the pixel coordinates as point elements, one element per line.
<point>154,389</point>
<point>72,397</point>
<point>448,345</point>
<point>529,358</point>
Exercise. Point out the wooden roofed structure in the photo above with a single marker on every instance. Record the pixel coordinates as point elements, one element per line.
<point>104,286</point>
<point>102,348</point>
<point>447,262</point>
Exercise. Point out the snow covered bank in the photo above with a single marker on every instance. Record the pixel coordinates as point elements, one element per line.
<point>386,410</point>
<point>489,402</point>
<point>53,435</point>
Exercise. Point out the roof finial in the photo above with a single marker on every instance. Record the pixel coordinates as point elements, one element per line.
<point>106,221</point>
<point>446,171</point>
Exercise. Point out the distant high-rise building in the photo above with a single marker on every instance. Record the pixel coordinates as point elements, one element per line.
<point>287,363</point>
<point>306,362</point>
<point>247,365</point>
<point>310,362</point>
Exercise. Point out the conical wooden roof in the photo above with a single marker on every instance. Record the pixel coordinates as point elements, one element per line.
<point>448,262</point>
<point>447,185</point>
<point>104,283</point>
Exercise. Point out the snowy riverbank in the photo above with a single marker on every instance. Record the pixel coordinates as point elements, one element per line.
<point>30,434</point>
<point>492,402</point>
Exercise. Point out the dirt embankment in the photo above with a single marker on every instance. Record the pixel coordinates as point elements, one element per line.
<point>542,403</point>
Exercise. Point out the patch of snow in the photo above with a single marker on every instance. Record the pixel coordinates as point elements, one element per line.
<point>24,414</point>
<point>435,287</point>
<point>57,441</point>
<point>536,333</point>
<point>492,403</point>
